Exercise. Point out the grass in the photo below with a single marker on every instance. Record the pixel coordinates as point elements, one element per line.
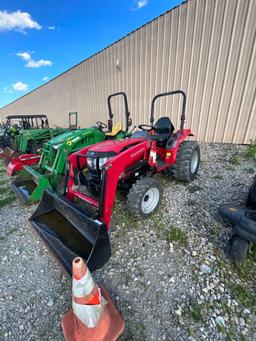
<point>218,177</point>
<point>251,150</point>
<point>3,182</point>
<point>7,200</point>
<point>195,311</point>
<point>243,295</point>
<point>176,235</point>
<point>122,217</point>
<point>235,160</point>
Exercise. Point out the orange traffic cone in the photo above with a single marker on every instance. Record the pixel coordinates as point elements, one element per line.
<point>94,316</point>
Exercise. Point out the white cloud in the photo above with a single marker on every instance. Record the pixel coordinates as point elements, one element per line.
<point>139,4</point>
<point>24,55</point>
<point>45,79</point>
<point>20,86</point>
<point>51,27</point>
<point>17,21</point>
<point>34,64</point>
<point>31,63</point>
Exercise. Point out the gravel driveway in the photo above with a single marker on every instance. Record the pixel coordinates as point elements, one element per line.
<point>169,276</point>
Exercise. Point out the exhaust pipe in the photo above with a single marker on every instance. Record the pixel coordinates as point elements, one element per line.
<point>70,232</point>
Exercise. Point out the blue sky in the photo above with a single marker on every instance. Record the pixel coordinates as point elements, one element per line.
<point>41,39</point>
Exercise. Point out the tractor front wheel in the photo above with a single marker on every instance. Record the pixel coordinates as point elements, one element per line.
<point>238,249</point>
<point>187,162</point>
<point>144,197</point>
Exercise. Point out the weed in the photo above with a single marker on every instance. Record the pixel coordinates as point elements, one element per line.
<point>235,160</point>
<point>3,182</point>
<point>122,217</point>
<point>244,296</point>
<point>175,234</point>
<point>7,200</point>
<point>194,188</point>
<point>251,150</point>
<point>218,177</point>
<point>195,311</point>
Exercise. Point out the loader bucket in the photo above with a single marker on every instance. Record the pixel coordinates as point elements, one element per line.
<point>30,185</point>
<point>69,232</point>
<point>9,154</point>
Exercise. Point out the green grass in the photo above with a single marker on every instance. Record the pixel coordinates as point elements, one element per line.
<point>175,234</point>
<point>7,200</point>
<point>195,311</point>
<point>218,177</point>
<point>235,160</point>
<point>4,182</point>
<point>251,150</point>
<point>247,298</point>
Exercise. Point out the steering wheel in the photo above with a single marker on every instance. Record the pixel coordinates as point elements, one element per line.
<point>146,127</point>
<point>101,125</point>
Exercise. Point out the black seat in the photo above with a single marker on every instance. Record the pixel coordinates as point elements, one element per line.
<point>163,130</point>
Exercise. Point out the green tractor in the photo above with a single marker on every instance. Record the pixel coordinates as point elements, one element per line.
<point>49,173</point>
<point>29,141</point>
<point>30,137</point>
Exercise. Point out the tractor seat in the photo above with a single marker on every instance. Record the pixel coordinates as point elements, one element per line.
<point>115,129</point>
<point>163,130</point>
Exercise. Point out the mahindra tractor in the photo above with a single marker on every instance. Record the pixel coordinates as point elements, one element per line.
<point>33,180</point>
<point>78,222</point>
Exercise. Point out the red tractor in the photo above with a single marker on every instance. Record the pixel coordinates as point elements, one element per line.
<point>94,175</point>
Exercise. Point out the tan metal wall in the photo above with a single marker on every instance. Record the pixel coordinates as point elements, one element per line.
<point>205,47</point>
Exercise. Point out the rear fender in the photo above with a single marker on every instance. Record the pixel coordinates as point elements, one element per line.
<point>182,135</point>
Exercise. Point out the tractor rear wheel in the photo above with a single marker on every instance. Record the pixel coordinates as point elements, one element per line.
<point>144,197</point>
<point>251,201</point>
<point>187,162</point>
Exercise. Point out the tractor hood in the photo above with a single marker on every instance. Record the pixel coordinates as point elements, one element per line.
<point>113,146</point>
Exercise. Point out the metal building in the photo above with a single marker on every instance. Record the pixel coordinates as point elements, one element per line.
<point>204,47</point>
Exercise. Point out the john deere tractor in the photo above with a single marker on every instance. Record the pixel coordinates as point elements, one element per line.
<point>31,183</point>
<point>29,136</point>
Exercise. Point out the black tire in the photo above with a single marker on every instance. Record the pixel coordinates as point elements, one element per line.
<point>138,197</point>
<point>238,249</point>
<point>183,170</point>
<point>251,201</point>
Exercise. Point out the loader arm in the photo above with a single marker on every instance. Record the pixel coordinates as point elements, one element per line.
<point>112,172</point>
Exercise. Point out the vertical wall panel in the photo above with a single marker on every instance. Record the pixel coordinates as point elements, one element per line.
<point>204,47</point>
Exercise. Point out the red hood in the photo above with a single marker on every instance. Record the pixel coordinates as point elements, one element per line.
<point>114,145</point>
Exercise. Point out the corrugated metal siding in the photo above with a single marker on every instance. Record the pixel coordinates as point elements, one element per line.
<point>204,47</point>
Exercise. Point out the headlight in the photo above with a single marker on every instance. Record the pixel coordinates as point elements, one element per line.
<point>102,161</point>
<point>91,162</point>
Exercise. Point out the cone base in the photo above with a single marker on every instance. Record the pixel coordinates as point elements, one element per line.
<point>109,328</point>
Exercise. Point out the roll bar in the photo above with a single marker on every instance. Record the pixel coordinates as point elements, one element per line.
<point>170,93</point>
<point>127,113</point>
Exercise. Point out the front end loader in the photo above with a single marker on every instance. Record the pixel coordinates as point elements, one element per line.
<point>31,183</point>
<point>95,173</point>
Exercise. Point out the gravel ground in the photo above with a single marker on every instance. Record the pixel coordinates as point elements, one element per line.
<point>169,276</point>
